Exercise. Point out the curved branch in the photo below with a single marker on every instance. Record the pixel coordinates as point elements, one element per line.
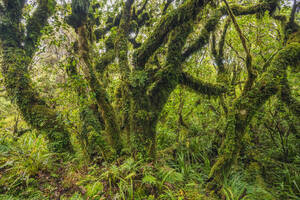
<point>107,111</point>
<point>211,24</point>
<point>17,79</point>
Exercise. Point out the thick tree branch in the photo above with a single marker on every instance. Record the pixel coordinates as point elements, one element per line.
<point>107,111</point>
<point>219,55</point>
<point>175,18</point>
<point>166,79</point>
<point>36,23</point>
<point>17,80</point>
<point>200,86</point>
<point>85,53</point>
<point>121,43</point>
<point>223,38</point>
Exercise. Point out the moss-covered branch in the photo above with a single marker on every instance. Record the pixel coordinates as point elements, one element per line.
<point>139,16</point>
<point>203,38</point>
<point>105,107</point>
<point>36,23</point>
<point>246,106</point>
<point>213,21</point>
<point>219,54</point>
<point>121,51</point>
<point>89,114</point>
<point>17,79</point>
<point>200,86</point>
<point>175,18</point>
<point>85,51</point>
<point>121,44</point>
<point>34,110</point>
<point>239,10</point>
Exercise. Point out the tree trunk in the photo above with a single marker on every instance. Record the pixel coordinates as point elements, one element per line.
<point>34,109</point>
<point>245,107</point>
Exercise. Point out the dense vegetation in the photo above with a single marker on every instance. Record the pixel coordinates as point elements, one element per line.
<point>149,99</point>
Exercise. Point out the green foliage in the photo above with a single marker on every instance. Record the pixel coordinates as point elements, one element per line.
<point>127,94</point>
<point>23,160</point>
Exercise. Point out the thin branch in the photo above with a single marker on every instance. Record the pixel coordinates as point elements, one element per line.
<point>223,38</point>
<point>215,19</point>
<point>235,51</point>
<point>219,55</point>
<point>251,74</point>
<point>268,61</point>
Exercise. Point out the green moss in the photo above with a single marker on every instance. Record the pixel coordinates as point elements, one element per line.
<point>175,18</point>
<point>245,107</point>
<point>36,23</point>
<point>34,109</point>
